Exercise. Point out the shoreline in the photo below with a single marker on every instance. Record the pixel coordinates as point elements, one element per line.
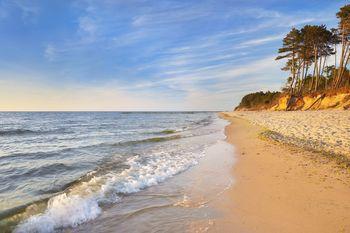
<point>244,183</point>
<point>281,188</point>
<point>145,177</point>
<point>182,203</point>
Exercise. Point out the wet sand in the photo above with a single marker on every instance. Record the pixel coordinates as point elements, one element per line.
<point>183,203</point>
<point>253,185</point>
<point>281,188</point>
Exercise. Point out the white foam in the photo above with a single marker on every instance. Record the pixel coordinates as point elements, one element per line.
<point>81,202</point>
<point>159,166</point>
<point>62,211</point>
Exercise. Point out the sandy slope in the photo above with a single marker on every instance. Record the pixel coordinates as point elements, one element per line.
<point>326,130</point>
<point>281,188</point>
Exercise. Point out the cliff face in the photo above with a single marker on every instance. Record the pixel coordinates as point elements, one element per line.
<point>319,102</point>
<point>309,102</point>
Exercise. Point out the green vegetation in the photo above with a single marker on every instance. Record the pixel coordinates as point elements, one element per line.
<point>259,100</point>
<point>307,51</point>
<point>312,71</point>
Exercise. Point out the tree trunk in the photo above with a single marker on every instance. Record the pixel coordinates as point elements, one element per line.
<point>312,78</point>
<point>297,83</point>
<point>318,73</point>
<point>302,78</point>
<point>305,76</point>
<point>291,84</point>
<point>341,63</point>
<point>335,55</point>
<point>293,74</point>
<point>323,66</point>
<point>335,64</point>
<point>315,72</point>
<point>322,70</point>
<point>343,70</point>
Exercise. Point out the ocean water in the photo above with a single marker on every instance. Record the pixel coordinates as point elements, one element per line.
<point>59,170</point>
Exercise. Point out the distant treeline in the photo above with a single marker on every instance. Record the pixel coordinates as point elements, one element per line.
<point>307,51</point>
<point>259,100</point>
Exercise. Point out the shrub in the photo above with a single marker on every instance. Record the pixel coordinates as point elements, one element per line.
<point>259,100</point>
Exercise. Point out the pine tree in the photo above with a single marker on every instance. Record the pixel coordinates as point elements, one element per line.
<point>344,32</point>
<point>289,50</point>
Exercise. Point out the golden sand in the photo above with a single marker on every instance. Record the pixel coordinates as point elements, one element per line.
<point>280,188</point>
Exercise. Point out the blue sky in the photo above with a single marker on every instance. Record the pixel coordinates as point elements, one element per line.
<point>145,55</point>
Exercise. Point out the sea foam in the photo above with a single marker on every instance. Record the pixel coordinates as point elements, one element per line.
<point>81,203</point>
<point>62,211</point>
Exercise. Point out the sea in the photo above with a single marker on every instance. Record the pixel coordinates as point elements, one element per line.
<point>109,171</point>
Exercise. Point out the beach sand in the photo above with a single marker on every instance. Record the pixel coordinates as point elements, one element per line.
<point>281,188</point>
<point>326,130</point>
<point>255,185</point>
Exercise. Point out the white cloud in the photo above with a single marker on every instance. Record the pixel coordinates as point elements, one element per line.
<point>87,25</point>
<point>230,84</point>
<point>32,93</point>
<point>260,41</point>
<point>50,52</point>
<point>29,10</point>
<point>257,13</point>
<point>87,29</point>
<point>210,67</point>
<point>174,14</point>
<point>130,38</point>
<point>228,72</point>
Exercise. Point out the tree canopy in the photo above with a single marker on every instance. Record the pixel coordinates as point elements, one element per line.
<point>307,51</point>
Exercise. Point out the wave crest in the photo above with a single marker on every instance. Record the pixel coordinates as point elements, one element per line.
<point>62,211</point>
<point>81,202</point>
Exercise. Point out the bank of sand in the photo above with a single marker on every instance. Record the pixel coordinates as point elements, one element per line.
<point>281,188</point>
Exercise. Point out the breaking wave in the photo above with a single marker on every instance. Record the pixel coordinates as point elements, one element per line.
<point>82,202</point>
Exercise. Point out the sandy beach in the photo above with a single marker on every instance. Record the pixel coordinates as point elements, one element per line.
<point>174,116</point>
<point>279,187</point>
<point>324,131</point>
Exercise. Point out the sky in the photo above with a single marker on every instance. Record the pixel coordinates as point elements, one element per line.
<point>140,55</point>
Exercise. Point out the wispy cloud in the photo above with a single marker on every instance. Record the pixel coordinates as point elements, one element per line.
<point>189,54</point>
<point>261,41</point>
<point>87,29</point>
<point>222,75</point>
<point>50,52</point>
<point>176,14</point>
<point>29,10</point>
<point>254,12</point>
